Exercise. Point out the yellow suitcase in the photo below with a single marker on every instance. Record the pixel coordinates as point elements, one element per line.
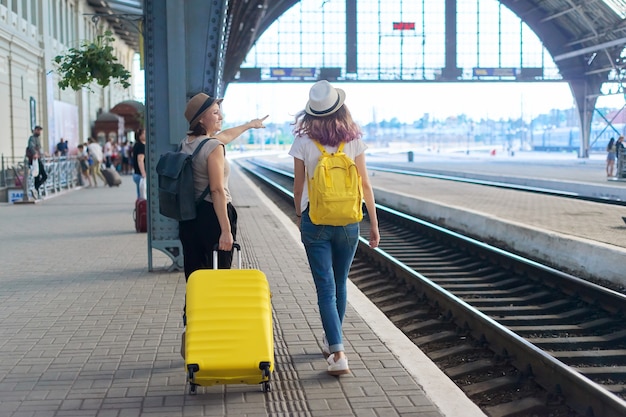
<point>229,337</point>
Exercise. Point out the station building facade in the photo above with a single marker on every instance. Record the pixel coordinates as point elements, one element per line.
<point>32,33</point>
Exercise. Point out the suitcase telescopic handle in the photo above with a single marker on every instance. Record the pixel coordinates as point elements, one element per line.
<point>235,246</point>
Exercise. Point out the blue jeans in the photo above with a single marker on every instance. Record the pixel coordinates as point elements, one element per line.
<point>330,251</point>
<point>137,179</point>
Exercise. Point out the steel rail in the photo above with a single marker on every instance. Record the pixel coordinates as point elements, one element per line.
<point>579,391</point>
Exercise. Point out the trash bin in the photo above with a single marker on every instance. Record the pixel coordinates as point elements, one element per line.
<point>410,154</point>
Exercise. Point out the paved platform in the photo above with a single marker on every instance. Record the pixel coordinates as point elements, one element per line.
<point>87,330</point>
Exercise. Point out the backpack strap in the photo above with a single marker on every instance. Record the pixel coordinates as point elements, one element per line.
<point>193,155</point>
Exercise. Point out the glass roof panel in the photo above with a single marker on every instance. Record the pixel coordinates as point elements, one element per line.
<point>618,6</point>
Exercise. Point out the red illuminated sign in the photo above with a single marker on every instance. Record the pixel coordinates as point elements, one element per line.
<point>403,25</point>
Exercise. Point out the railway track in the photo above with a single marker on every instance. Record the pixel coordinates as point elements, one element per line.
<point>470,179</point>
<point>520,338</point>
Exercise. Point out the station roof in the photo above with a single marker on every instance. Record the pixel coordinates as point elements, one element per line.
<point>585,37</point>
<point>123,16</point>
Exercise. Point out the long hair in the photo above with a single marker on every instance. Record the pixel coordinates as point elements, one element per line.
<point>329,130</point>
<point>610,145</point>
<point>198,130</point>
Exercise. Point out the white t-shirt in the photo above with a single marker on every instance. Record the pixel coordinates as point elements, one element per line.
<point>108,149</point>
<point>95,150</point>
<point>304,149</point>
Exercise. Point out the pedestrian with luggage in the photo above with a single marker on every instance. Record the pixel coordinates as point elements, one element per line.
<point>330,249</point>
<point>95,153</point>
<point>216,219</point>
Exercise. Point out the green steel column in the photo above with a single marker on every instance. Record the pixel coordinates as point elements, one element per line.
<point>184,49</point>
<point>450,71</point>
<point>351,37</point>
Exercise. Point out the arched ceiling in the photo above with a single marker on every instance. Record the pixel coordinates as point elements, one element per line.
<point>585,37</point>
<point>123,16</point>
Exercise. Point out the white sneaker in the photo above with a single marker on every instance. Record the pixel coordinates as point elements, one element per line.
<point>337,368</point>
<point>36,194</point>
<point>325,346</point>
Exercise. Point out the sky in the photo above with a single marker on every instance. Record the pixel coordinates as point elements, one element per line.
<point>407,101</point>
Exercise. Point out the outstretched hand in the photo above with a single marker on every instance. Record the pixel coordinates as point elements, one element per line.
<point>258,123</point>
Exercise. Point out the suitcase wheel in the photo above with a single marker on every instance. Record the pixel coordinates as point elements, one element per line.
<point>191,369</point>
<point>265,371</point>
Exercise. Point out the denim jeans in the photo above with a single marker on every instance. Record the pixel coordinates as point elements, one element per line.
<point>136,179</point>
<point>330,251</point>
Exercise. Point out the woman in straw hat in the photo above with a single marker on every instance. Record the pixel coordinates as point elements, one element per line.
<point>216,220</point>
<point>330,249</point>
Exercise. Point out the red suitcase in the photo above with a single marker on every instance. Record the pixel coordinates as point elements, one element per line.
<point>141,215</point>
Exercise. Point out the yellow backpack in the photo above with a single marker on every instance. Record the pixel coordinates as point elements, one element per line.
<point>335,191</point>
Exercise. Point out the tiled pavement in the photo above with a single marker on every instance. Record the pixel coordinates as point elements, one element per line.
<point>87,330</point>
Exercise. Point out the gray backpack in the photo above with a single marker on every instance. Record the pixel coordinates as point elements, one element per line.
<point>176,189</point>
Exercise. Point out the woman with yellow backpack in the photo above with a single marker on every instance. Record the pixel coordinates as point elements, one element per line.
<point>330,184</point>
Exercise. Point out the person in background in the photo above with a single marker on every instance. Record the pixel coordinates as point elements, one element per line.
<point>95,153</point>
<point>619,152</point>
<point>83,161</point>
<point>108,153</point>
<point>216,220</point>
<point>125,157</point>
<point>139,159</point>
<point>610,157</point>
<point>35,155</point>
<point>61,148</point>
<point>330,249</point>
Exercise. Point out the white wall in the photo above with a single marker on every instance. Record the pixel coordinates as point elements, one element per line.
<point>29,41</point>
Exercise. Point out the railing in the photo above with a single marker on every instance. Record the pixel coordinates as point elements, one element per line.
<point>63,174</point>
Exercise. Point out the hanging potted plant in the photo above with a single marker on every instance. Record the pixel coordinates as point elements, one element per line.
<point>92,61</point>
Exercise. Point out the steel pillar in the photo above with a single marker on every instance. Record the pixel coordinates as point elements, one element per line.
<point>184,44</point>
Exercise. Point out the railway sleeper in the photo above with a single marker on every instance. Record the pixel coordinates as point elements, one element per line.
<point>522,407</point>
<point>491,385</point>
<point>408,315</point>
<point>463,349</point>
<point>570,316</point>
<point>606,341</point>
<point>532,329</point>
<point>593,357</point>
<point>480,365</point>
<point>486,288</point>
<point>510,301</point>
<point>389,309</point>
<point>559,305</point>
<point>421,326</point>
<point>435,337</point>
<point>612,373</point>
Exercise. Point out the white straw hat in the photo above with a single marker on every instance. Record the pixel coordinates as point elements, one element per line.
<point>324,99</point>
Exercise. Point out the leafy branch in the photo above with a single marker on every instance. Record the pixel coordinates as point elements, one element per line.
<point>92,61</point>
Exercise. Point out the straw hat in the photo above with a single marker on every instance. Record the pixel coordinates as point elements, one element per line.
<point>324,99</point>
<point>196,107</point>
